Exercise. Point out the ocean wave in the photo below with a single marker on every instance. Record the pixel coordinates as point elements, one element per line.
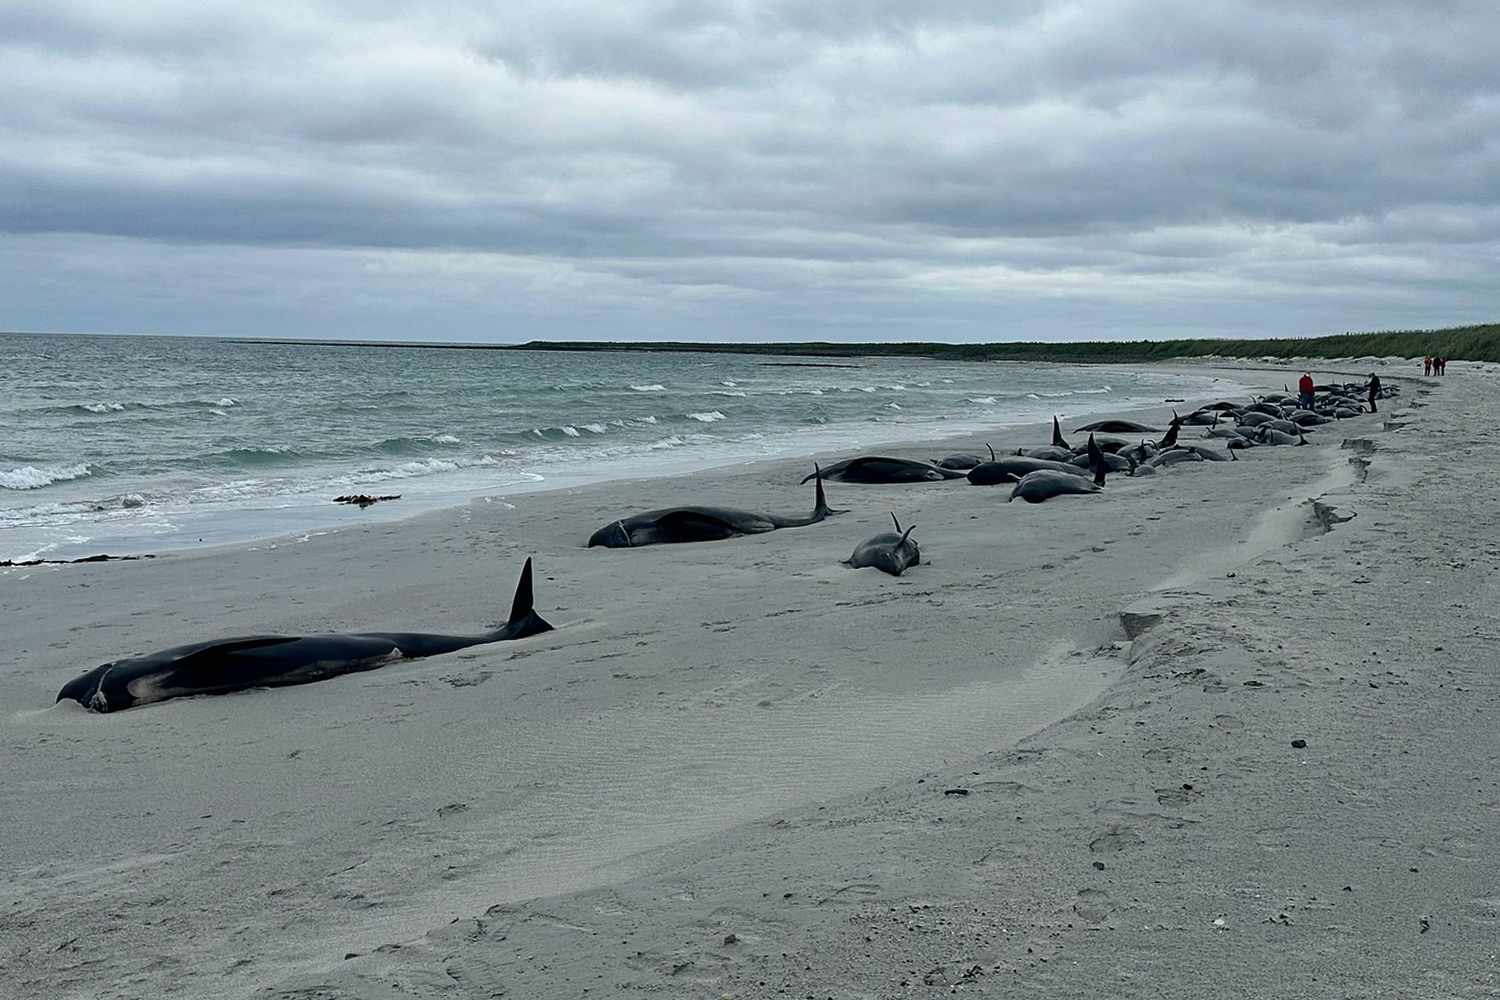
<point>670,442</point>
<point>270,455</point>
<point>729,381</point>
<point>981,400</point>
<point>569,430</point>
<point>653,387</point>
<point>416,468</point>
<point>31,477</point>
<point>727,392</point>
<point>594,428</point>
<point>646,420</point>
<point>418,443</point>
<point>893,406</point>
<point>99,407</point>
<point>709,417</point>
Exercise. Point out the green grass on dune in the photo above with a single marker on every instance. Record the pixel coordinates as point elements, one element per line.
<point>1469,343</point>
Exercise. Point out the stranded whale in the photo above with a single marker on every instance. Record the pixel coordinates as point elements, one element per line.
<point>703,524</point>
<point>888,552</point>
<point>226,665</point>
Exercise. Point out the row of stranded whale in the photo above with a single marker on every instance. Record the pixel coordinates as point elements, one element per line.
<point>1038,474</point>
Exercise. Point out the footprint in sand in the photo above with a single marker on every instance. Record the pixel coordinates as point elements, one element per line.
<point>1115,839</point>
<point>1093,905</point>
<point>1180,796</point>
<point>1484,911</point>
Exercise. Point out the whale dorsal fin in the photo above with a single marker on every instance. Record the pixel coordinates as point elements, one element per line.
<point>904,534</point>
<point>820,499</point>
<point>992,450</point>
<point>897,523</point>
<point>524,602</point>
<point>1057,438</point>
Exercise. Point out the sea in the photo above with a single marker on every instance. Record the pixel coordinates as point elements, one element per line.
<point>128,445</point>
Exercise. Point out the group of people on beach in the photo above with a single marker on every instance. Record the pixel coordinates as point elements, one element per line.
<point>1307,389</point>
<point>1434,366</point>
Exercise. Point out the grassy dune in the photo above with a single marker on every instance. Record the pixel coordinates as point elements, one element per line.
<point>1470,343</point>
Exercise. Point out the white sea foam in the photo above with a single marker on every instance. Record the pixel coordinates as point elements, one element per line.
<point>712,416</point>
<point>653,387</point>
<point>981,400</point>
<point>594,428</point>
<point>893,406</point>
<point>570,430</point>
<point>31,477</point>
<point>727,392</point>
<point>671,442</point>
<point>445,439</point>
<point>103,407</point>
<point>423,467</point>
<point>646,420</point>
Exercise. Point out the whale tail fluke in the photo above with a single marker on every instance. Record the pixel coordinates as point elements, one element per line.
<point>523,617</point>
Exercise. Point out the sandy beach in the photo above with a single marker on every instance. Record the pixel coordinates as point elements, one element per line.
<point>1056,759</point>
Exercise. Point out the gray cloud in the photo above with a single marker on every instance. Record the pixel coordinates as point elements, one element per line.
<point>751,170</point>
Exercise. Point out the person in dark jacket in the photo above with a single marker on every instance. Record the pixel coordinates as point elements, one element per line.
<point>1374,390</point>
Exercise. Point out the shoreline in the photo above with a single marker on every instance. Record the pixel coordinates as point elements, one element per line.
<point>707,660</point>
<point>324,518</point>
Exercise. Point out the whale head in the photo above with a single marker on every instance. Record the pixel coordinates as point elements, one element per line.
<point>612,536</point>
<point>87,689</point>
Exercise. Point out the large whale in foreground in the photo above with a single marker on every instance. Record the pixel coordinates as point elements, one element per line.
<point>703,524</point>
<point>225,665</point>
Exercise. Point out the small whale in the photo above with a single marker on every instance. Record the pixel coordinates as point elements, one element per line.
<point>1045,484</point>
<point>877,469</point>
<point>887,552</point>
<point>1119,427</point>
<point>703,524</point>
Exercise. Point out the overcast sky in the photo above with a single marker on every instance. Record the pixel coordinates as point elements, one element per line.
<point>818,169</point>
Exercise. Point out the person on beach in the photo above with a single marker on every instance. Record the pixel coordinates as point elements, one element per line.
<point>1374,390</point>
<point>1442,366</point>
<point>1306,388</point>
<point>1427,365</point>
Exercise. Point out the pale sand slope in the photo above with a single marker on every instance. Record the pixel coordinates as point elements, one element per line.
<point>210,846</point>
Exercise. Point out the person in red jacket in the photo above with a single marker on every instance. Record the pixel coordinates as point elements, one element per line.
<point>1305,387</point>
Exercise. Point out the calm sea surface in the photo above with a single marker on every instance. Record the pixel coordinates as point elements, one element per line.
<point>144,444</point>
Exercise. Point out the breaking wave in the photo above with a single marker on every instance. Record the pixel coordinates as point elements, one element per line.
<point>32,477</point>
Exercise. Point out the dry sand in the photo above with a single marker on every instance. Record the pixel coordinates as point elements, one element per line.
<point>741,769</point>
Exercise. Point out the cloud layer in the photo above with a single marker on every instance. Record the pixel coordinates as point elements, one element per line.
<point>777,170</point>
